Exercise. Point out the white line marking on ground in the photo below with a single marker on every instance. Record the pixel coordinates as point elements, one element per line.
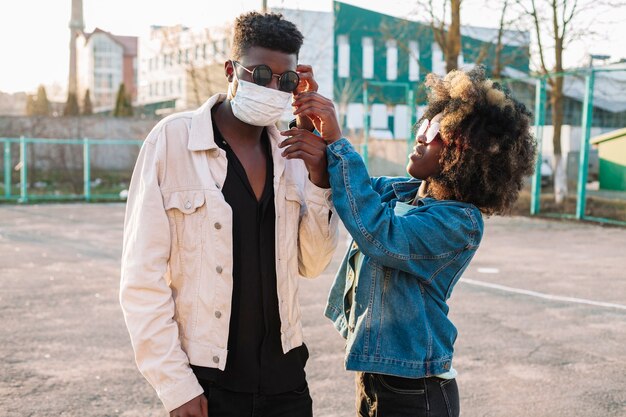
<point>542,295</point>
<point>488,270</point>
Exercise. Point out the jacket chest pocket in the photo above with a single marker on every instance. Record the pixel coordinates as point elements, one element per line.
<point>186,211</point>
<point>293,211</point>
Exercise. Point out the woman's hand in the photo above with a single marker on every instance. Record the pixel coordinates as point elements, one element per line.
<point>321,112</point>
<point>307,83</point>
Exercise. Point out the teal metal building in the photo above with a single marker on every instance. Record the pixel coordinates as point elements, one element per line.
<point>393,55</point>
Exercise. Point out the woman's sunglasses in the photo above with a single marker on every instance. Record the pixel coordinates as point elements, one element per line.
<point>429,129</point>
<point>262,75</point>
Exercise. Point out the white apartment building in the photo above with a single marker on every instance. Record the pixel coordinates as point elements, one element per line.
<point>179,68</point>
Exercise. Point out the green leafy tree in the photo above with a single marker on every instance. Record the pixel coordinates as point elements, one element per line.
<point>87,106</point>
<point>123,107</point>
<point>71,106</point>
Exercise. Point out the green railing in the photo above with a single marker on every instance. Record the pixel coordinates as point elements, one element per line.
<point>23,166</point>
<point>586,124</point>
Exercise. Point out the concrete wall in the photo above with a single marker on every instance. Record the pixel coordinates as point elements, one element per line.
<point>70,157</point>
<point>387,157</point>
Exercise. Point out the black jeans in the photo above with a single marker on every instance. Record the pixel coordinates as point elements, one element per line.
<point>391,396</point>
<point>224,403</point>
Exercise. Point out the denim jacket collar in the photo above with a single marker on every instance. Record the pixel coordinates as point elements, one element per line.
<point>407,190</point>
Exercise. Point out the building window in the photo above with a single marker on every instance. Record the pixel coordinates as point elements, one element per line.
<point>414,61</point>
<point>392,60</point>
<point>180,56</point>
<point>439,64</point>
<point>368,57</point>
<point>343,59</point>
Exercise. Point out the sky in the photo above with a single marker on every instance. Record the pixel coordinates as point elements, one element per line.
<point>34,34</point>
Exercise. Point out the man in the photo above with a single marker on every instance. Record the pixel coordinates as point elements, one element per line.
<point>219,227</point>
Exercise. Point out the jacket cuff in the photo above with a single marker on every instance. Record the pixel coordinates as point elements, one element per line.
<point>183,391</point>
<point>340,147</point>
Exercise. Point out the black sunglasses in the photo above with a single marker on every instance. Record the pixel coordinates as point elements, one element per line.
<point>262,75</point>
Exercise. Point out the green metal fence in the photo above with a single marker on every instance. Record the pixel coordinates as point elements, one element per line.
<point>24,192</point>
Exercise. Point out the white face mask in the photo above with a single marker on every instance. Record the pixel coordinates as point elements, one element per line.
<point>257,105</point>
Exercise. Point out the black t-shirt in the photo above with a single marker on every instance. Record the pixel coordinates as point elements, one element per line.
<point>256,362</point>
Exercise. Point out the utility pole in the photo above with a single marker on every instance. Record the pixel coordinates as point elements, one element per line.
<point>264,6</point>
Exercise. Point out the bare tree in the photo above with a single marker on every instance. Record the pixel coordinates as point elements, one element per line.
<point>446,28</point>
<point>556,24</point>
<point>203,69</point>
<point>497,60</point>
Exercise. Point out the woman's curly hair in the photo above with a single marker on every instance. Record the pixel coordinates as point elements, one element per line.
<point>488,147</point>
<point>267,30</point>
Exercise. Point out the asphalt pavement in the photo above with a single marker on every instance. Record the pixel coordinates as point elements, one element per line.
<point>541,314</point>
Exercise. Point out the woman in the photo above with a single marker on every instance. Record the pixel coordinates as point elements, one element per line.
<point>413,239</point>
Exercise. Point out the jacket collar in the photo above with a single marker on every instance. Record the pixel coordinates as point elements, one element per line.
<point>201,137</point>
<point>406,190</point>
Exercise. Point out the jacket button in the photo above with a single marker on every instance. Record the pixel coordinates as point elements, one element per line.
<point>219,269</point>
<point>218,314</point>
<point>216,359</point>
<point>218,226</point>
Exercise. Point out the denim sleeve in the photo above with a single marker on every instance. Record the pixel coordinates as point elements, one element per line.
<point>400,242</point>
<point>382,185</point>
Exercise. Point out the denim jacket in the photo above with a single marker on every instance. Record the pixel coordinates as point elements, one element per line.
<point>397,322</point>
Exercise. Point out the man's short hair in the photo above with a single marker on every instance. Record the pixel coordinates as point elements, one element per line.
<point>267,30</point>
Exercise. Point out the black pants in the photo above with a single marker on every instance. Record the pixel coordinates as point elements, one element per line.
<point>391,396</point>
<point>224,403</point>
